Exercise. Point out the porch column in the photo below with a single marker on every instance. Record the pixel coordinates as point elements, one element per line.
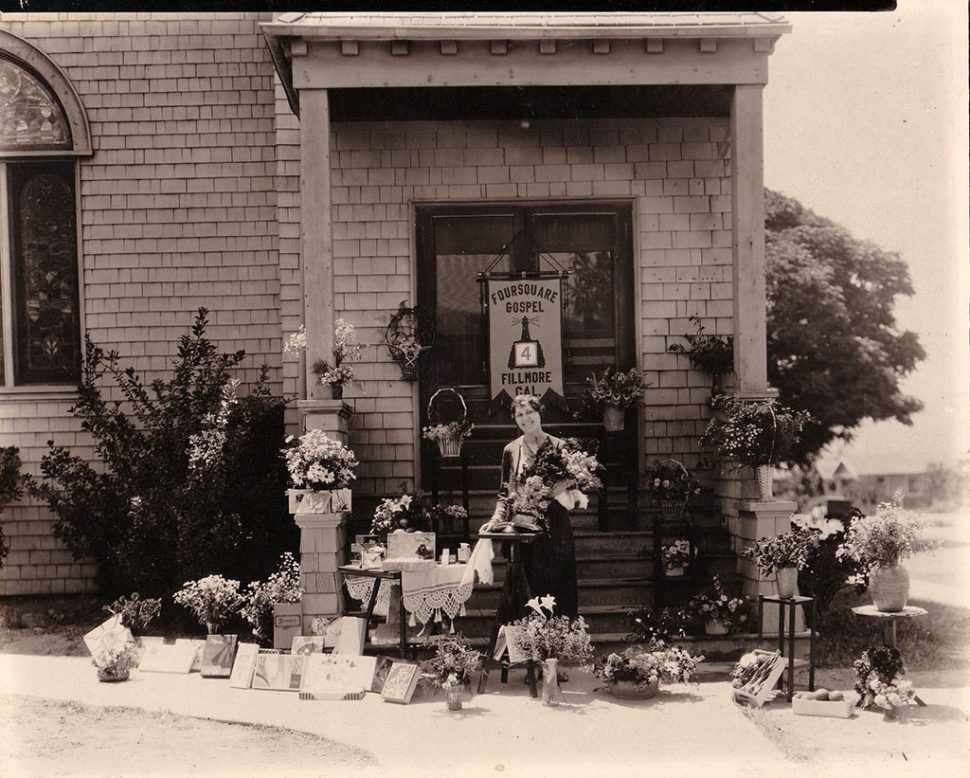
<point>748,229</point>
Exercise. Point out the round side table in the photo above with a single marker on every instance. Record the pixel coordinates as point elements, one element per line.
<point>889,620</point>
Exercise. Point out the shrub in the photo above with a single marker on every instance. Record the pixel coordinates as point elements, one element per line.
<point>191,480</point>
<point>11,486</point>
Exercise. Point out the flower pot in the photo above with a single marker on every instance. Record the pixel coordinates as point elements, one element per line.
<point>672,509</point>
<point>715,627</point>
<point>889,588</point>
<point>891,713</point>
<point>628,690</point>
<point>337,391</point>
<point>314,501</point>
<point>765,476</point>
<point>551,692</point>
<point>674,572</point>
<point>453,695</point>
<point>613,418</point>
<point>787,578</point>
<point>107,675</point>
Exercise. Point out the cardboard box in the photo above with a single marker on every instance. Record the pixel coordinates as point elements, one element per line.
<point>839,709</point>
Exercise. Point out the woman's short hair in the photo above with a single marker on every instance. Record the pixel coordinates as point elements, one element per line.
<point>525,401</point>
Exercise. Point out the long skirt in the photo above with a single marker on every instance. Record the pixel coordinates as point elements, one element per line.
<point>551,563</point>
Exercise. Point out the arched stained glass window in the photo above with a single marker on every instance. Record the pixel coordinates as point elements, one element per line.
<point>31,116</point>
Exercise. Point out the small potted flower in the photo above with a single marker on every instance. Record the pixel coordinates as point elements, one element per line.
<point>676,556</point>
<point>409,332</point>
<point>114,663</point>
<point>671,485</point>
<point>213,600</point>
<point>445,516</point>
<point>451,667</point>
<point>321,469</point>
<point>346,349</point>
<point>637,672</point>
<point>449,435</point>
<point>878,681</point>
<point>548,639</point>
<point>721,613</point>
<point>281,594</point>
<point>613,392</point>
<point>783,555</point>
<point>754,433</point>
<point>879,543</point>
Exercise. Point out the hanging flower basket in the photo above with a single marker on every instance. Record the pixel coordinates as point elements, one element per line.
<point>409,331</point>
<point>672,509</point>
<point>671,485</point>
<point>448,435</point>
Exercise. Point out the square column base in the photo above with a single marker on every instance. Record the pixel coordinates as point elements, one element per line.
<point>323,548</point>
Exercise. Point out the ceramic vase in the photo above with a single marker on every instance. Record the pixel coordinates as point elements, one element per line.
<point>787,578</point>
<point>889,588</point>
<point>551,692</point>
<point>715,627</point>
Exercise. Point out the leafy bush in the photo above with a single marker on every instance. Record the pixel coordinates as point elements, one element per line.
<point>11,486</point>
<point>191,482</point>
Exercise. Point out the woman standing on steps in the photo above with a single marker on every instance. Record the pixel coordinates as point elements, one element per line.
<point>550,559</point>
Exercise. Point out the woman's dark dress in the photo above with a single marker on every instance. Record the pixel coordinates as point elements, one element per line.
<point>550,559</point>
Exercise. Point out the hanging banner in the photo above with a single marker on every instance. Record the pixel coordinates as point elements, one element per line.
<point>525,338</point>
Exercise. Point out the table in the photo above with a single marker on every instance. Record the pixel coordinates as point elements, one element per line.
<point>889,620</point>
<point>515,594</point>
<point>789,603</point>
<point>378,576</point>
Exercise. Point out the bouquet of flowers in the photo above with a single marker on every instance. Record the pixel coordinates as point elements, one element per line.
<point>455,429</point>
<point>213,600</point>
<point>753,433</point>
<point>346,348</point>
<point>789,549</point>
<point>886,538</point>
<point>281,586</point>
<point>115,662</point>
<point>447,515</point>
<point>622,390</point>
<point>714,604</point>
<point>826,572</point>
<point>713,355</point>
<point>878,682</point>
<point>135,613</point>
<point>670,481</point>
<point>563,473</point>
<point>453,663</point>
<point>542,635</point>
<point>677,554</point>
<point>409,512</point>
<point>318,462</point>
<point>664,624</point>
<point>644,665</point>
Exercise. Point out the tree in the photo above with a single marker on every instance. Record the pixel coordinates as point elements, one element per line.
<point>833,346</point>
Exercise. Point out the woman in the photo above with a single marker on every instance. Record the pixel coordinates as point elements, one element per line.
<point>550,559</point>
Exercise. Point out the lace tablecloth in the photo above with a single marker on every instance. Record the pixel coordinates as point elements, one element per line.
<point>435,591</point>
<point>360,588</point>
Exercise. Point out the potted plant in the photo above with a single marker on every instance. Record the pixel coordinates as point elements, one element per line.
<point>114,663</point>
<point>709,353</point>
<point>826,572</point>
<point>407,513</point>
<point>613,392</point>
<point>346,349</point>
<point>409,331</point>
<point>451,667</point>
<point>671,485</point>
<point>262,597</point>
<point>213,600</point>
<point>135,614</point>
<point>676,557</point>
<point>879,543</point>
<point>548,639</point>
<point>754,433</point>
<point>784,555</point>
<point>449,435</point>
<point>878,681</point>
<point>321,469</point>
<point>637,672</point>
<point>720,613</point>
<point>665,624</point>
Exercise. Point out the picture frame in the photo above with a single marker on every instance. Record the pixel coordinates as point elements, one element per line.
<point>161,657</point>
<point>244,666</point>
<point>402,679</point>
<point>218,656</point>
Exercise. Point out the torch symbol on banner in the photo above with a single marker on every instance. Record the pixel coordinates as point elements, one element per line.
<point>526,352</point>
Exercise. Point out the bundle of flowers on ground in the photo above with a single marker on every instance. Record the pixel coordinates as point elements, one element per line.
<point>115,662</point>
<point>213,600</point>
<point>318,462</point>
<point>281,587</point>
<point>788,549</point>
<point>715,604</point>
<point>670,481</point>
<point>542,635</point>
<point>453,663</point>
<point>622,390</point>
<point>642,665</point>
<point>878,682</point>
<point>566,473</point>
<point>753,433</point>
<point>409,512</point>
<point>885,538</point>
<point>676,555</point>
<point>136,613</point>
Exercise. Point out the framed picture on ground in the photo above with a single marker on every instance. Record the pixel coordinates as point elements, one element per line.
<point>217,656</point>
<point>382,667</point>
<point>160,657</point>
<point>400,683</point>
<point>275,672</point>
<point>334,672</point>
<point>243,666</point>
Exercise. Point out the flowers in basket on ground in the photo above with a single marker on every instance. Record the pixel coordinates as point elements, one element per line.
<point>753,432</point>
<point>282,586</point>
<point>613,387</point>
<point>136,613</point>
<point>407,512</point>
<point>670,481</point>
<point>787,549</point>
<point>115,660</point>
<point>885,538</point>
<point>715,604</point>
<point>566,473</point>
<point>317,461</point>
<point>213,599</point>
<point>676,555</point>
<point>642,665</point>
<point>542,635</point>
<point>453,662</point>
<point>877,679</point>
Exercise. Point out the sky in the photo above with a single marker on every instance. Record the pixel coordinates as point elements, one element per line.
<point>865,118</point>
